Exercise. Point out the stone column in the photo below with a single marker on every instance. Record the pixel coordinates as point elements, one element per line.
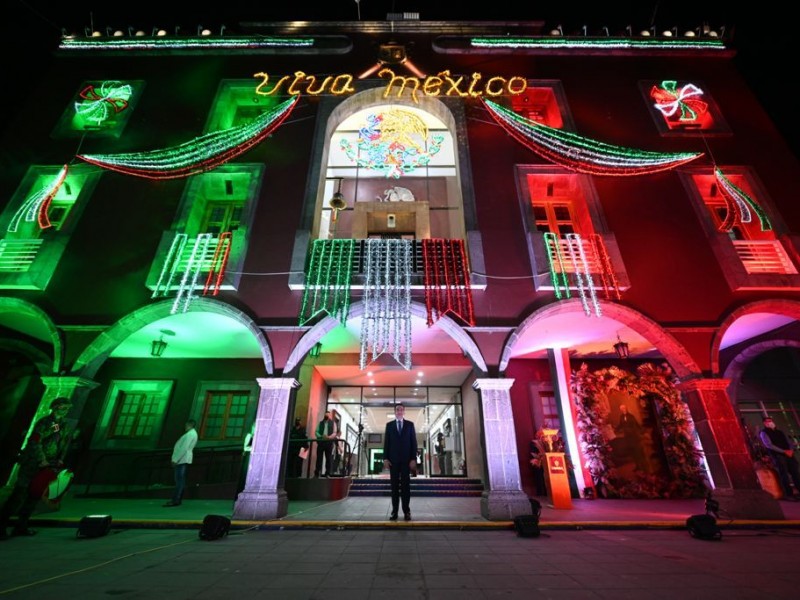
<point>263,497</point>
<point>504,499</point>
<point>735,482</point>
<point>74,388</point>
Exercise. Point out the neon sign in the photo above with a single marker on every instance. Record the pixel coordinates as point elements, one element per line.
<point>442,84</point>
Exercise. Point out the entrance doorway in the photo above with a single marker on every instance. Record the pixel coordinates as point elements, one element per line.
<point>437,414</point>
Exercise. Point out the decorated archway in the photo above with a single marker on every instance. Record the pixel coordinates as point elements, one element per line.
<point>667,462</point>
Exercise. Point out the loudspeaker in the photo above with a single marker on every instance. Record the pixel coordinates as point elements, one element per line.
<point>93,526</point>
<point>703,527</point>
<point>527,525</point>
<point>214,527</point>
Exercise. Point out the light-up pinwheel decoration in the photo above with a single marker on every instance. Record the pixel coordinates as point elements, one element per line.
<point>581,154</point>
<point>198,155</point>
<point>683,102</point>
<point>36,205</point>
<point>395,141</point>
<point>738,205</point>
<point>97,104</point>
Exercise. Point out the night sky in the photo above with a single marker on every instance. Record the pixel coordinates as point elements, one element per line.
<point>761,49</point>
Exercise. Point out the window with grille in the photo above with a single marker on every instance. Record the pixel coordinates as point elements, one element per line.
<point>224,415</point>
<point>135,415</point>
<point>550,419</point>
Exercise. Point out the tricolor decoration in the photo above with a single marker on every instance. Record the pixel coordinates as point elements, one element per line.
<point>572,254</point>
<point>199,155</point>
<point>386,324</point>
<point>209,256</point>
<point>328,278</point>
<point>581,154</point>
<point>738,205</point>
<point>97,105</point>
<point>447,287</point>
<point>683,102</point>
<point>36,205</point>
<point>395,142</point>
<point>603,43</point>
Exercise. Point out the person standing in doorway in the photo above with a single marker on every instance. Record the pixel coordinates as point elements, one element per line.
<point>182,455</point>
<point>298,446</point>
<point>400,455</point>
<point>441,453</point>
<point>781,450</point>
<point>326,433</point>
<point>45,450</point>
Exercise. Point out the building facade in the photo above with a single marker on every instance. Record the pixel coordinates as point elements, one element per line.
<point>503,229</point>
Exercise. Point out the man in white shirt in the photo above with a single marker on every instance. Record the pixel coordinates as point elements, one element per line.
<point>181,459</point>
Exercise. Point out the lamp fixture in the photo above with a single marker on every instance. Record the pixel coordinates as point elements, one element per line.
<point>158,346</point>
<point>336,203</point>
<point>622,349</point>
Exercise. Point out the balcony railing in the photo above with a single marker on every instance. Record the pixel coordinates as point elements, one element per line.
<point>17,256</point>
<point>572,255</point>
<point>764,256</point>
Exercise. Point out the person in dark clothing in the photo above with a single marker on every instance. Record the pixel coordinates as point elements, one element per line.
<point>326,434</point>
<point>781,450</point>
<point>400,456</point>
<point>537,459</point>
<point>45,449</point>
<point>297,442</point>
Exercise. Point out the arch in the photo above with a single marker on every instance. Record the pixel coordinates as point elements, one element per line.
<point>22,309</point>
<point>674,352</point>
<point>735,369</point>
<point>446,324</point>
<point>788,308</point>
<point>39,358</point>
<point>98,351</point>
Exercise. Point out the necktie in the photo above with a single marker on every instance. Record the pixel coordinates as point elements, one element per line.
<point>399,427</point>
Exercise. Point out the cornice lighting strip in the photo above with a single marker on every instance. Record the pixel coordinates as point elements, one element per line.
<point>601,43</point>
<point>203,43</point>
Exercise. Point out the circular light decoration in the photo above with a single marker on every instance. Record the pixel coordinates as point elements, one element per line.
<point>395,142</point>
<point>97,104</point>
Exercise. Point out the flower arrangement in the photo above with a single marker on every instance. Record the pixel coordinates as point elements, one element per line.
<point>684,459</point>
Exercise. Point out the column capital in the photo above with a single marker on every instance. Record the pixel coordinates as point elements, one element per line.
<point>498,383</point>
<point>692,385</point>
<point>68,382</point>
<point>278,383</point>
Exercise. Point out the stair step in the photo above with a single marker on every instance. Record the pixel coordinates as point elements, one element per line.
<point>452,487</point>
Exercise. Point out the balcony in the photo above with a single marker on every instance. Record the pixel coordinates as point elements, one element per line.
<point>764,256</point>
<point>17,256</point>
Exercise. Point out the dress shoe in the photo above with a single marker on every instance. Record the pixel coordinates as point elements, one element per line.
<point>172,504</point>
<point>393,517</point>
<point>407,516</point>
<point>23,532</point>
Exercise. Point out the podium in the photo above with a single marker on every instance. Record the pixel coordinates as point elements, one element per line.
<point>557,480</point>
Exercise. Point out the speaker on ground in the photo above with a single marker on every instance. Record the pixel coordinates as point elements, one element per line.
<point>93,526</point>
<point>214,527</point>
<point>703,527</point>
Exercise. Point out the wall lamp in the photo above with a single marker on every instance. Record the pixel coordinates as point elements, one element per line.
<point>158,346</point>
<point>622,349</point>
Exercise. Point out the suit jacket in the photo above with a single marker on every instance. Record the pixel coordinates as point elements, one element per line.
<point>402,446</point>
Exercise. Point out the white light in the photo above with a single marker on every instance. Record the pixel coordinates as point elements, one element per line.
<point>118,33</point>
<point>713,33</point>
<point>140,33</point>
<point>420,373</point>
<point>371,381</point>
<point>369,373</point>
<point>418,381</point>
<point>205,32</point>
<point>689,33</point>
<point>666,33</point>
<point>644,33</point>
<point>161,32</point>
<point>96,34</point>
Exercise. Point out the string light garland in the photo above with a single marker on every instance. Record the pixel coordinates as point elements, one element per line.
<point>568,255</point>
<point>37,204</point>
<point>199,155</point>
<point>395,142</point>
<point>98,104</point>
<point>738,205</point>
<point>328,279</point>
<point>684,102</point>
<point>188,269</point>
<point>581,154</point>
<point>386,324</point>
<point>447,286</point>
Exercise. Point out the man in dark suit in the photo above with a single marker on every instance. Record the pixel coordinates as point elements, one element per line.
<point>400,455</point>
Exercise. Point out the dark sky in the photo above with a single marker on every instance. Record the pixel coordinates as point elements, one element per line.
<point>756,33</point>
